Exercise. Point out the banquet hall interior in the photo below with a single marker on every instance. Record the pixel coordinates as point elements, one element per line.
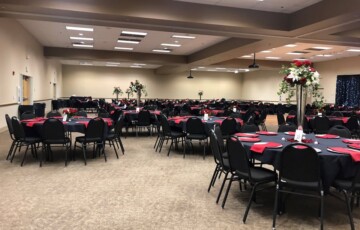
<point>200,53</point>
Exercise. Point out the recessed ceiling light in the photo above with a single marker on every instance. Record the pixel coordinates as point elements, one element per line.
<point>212,70</point>
<point>353,50</point>
<point>274,58</point>
<point>266,51</point>
<point>161,51</point>
<point>136,66</point>
<point>220,68</point>
<point>301,59</point>
<point>139,64</point>
<point>80,28</point>
<point>83,45</point>
<point>236,71</point>
<point>113,63</point>
<point>169,44</point>
<point>201,67</point>
<point>82,38</point>
<point>322,48</point>
<point>81,34</point>
<point>183,36</point>
<point>290,45</point>
<point>247,56</point>
<point>123,48</point>
<point>324,55</point>
<point>294,53</point>
<point>134,33</point>
<point>128,41</point>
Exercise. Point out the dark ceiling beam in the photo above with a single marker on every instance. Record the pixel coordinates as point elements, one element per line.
<point>107,55</point>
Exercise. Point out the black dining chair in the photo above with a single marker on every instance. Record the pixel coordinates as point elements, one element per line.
<point>249,128</point>
<point>221,164</point>
<point>353,125</point>
<point>337,114</point>
<point>351,190</point>
<point>262,119</point>
<point>81,113</point>
<point>286,128</point>
<point>94,134</point>
<point>195,130</point>
<point>11,133</point>
<point>241,168</point>
<point>280,118</point>
<point>114,137</point>
<point>169,134</point>
<point>321,124</point>
<point>53,114</point>
<point>23,140</point>
<point>27,115</point>
<point>54,134</point>
<point>299,174</point>
<point>340,130</point>
<point>228,127</point>
<point>143,121</point>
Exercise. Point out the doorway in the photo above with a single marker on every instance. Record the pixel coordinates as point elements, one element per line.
<point>26,97</point>
<point>54,91</point>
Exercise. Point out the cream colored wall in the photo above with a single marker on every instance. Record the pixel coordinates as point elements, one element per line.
<point>99,82</point>
<point>263,85</point>
<point>21,54</point>
<point>331,69</point>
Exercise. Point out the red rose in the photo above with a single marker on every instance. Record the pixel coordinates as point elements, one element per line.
<point>312,69</point>
<point>302,81</point>
<point>307,63</point>
<point>298,63</point>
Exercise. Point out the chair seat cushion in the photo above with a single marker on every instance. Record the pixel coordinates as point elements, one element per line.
<point>225,155</point>
<point>259,174</point>
<point>300,184</point>
<point>176,134</point>
<point>57,141</point>
<point>82,139</point>
<point>196,136</point>
<point>345,184</point>
<point>31,140</point>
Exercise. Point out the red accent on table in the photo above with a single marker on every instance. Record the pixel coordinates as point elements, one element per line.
<point>249,139</point>
<point>351,141</point>
<point>260,148</point>
<point>326,136</point>
<point>267,133</point>
<point>355,155</point>
<point>246,135</point>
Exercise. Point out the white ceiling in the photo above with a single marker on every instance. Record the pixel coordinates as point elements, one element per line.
<point>54,34</point>
<point>111,64</point>
<point>281,6</point>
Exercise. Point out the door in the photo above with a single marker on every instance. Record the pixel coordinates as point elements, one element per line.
<point>54,91</point>
<point>26,90</point>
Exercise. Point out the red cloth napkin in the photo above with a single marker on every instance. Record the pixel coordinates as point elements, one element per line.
<point>291,116</point>
<point>260,148</point>
<point>238,120</point>
<point>351,141</point>
<point>267,133</point>
<point>354,146</point>
<point>249,139</point>
<point>246,135</point>
<point>108,121</point>
<point>355,154</point>
<point>326,136</point>
<point>32,123</point>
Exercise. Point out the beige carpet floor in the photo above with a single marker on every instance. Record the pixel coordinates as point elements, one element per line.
<point>141,190</point>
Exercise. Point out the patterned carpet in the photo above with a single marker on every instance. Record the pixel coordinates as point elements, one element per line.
<point>141,190</point>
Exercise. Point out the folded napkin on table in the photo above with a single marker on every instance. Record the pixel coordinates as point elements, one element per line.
<point>326,136</point>
<point>260,147</point>
<point>355,154</point>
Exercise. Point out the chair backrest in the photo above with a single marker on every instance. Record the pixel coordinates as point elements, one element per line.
<point>286,128</point>
<point>300,162</point>
<point>220,138</point>
<point>321,124</point>
<point>249,128</point>
<point>119,125</point>
<point>215,148</point>
<point>27,115</point>
<point>53,114</point>
<point>238,158</point>
<point>353,123</point>
<point>18,129</point>
<point>194,125</point>
<point>280,118</point>
<point>165,125</point>
<point>95,129</point>
<point>337,114</point>
<point>144,117</point>
<point>340,130</point>
<point>228,126</point>
<point>53,129</point>
<point>9,125</point>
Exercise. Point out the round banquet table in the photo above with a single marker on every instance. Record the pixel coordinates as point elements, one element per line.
<point>332,164</point>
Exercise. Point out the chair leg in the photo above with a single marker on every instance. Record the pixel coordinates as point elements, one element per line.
<point>222,187</point>
<point>11,149</point>
<point>276,206</point>
<point>348,207</point>
<point>84,153</point>
<point>249,204</point>
<point>213,177</point>
<point>117,156</point>
<point>321,210</point>
<point>121,145</point>
<point>157,139</point>
<point>22,162</point>
<point>227,190</point>
<point>171,144</point>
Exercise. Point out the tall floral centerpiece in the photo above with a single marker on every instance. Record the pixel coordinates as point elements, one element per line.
<point>129,92</point>
<point>200,93</point>
<point>303,78</point>
<point>117,91</point>
<point>139,89</point>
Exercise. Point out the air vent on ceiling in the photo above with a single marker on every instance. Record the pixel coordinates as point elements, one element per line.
<point>300,52</point>
<point>315,49</point>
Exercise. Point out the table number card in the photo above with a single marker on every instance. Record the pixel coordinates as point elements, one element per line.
<point>64,117</point>
<point>206,116</point>
<point>137,109</point>
<point>298,135</point>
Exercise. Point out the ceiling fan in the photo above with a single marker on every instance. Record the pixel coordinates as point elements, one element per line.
<point>254,65</point>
